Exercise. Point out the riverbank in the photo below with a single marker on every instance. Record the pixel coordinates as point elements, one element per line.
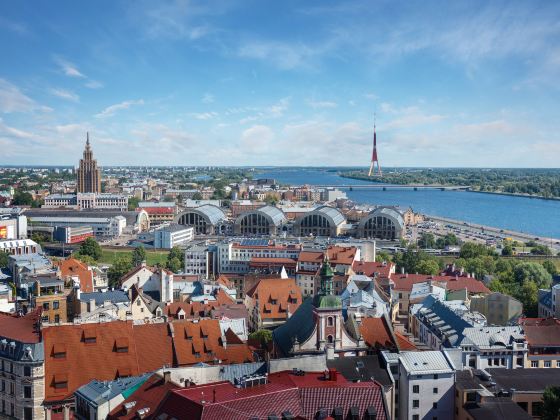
<point>552,243</point>
<point>380,180</point>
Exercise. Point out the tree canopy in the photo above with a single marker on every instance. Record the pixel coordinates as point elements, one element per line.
<point>138,255</point>
<point>121,265</point>
<point>551,403</point>
<point>90,247</point>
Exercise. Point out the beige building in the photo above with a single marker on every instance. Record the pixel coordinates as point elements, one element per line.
<point>499,309</point>
<point>88,174</point>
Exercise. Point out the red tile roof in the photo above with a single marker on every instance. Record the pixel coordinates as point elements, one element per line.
<point>302,396</point>
<point>73,267</point>
<point>404,343</point>
<point>285,292</point>
<point>541,332</point>
<point>120,348</point>
<point>68,353</point>
<point>149,395</point>
<point>404,282</point>
<point>20,328</point>
<point>376,333</point>
<point>370,268</point>
<point>202,342</point>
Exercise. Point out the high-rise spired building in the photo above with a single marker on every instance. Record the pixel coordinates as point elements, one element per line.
<point>89,175</point>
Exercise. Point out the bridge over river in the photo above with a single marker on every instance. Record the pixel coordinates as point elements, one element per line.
<point>386,187</point>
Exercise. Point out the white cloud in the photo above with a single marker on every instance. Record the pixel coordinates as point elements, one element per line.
<point>322,104</point>
<point>13,100</point>
<point>93,84</point>
<point>68,68</point>
<point>64,94</point>
<point>283,55</point>
<point>203,115</point>
<point>257,140</point>
<point>111,110</point>
<point>276,110</point>
<point>208,98</point>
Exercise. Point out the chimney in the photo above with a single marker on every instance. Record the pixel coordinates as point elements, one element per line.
<point>38,286</point>
<point>402,270</point>
<point>332,374</point>
<point>166,376</point>
<point>91,305</point>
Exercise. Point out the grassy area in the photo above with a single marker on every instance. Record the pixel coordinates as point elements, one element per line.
<point>153,257</point>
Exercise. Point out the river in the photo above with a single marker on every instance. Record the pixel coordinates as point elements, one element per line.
<point>522,214</point>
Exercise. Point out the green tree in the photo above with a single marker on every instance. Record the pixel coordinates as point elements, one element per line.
<point>541,250</point>
<point>133,203</point>
<point>497,286</point>
<point>39,237</point>
<point>86,259</point>
<point>91,247</point>
<point>527,294</point>
<point>428,267</point>
<point>473,250</point>
<point>550,267</point>
<point>121,265</point>
<point>551,403</point>
<point>138,255</point>
<point>382,256</point>
<point>175,259</point>
<point>3,259</point>
<point>529,271</point>
<point>507,251</point>
<point>22,198</point>
<point>427,240</point>
<point>263,336</point>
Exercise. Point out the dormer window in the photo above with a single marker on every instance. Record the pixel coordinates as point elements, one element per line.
<point>60,381</point>
<point>121,345</point>
<point>59,351</point>
<point>89,337</point>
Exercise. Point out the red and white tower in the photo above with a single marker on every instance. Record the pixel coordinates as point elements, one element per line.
<point>374,158</point>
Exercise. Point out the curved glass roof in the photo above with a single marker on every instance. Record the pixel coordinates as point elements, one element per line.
<point>213,213</point>
<point>278,217</point>
<point>334,214</point>
<point>388,212</point>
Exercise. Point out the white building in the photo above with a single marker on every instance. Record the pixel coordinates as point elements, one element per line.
<point>156,282</point>
<point>426,386</point>
<point>87,201</point>
<point>234,257</point>
<point>494,347</point>
<point>20,247</point>
<point>103,227</point>
<point>175,235</point>
<point>198,261</point>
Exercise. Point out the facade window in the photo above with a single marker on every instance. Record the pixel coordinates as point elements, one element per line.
<point>436,376</point>
<point>330,321</point>
<point>57,318</point>
<point>415,403</point>
<point>330,339</point>
<point>55,304</point>
<point>415,389</point>
<point>27,371</point>
<point>547,364</point>
<point>434,406</point>
<point>435,390</point>
<point>46,306</point>
<point>558,363</point>
<point>415,417</point>
<point>26,392</point>
<point>534,363</point>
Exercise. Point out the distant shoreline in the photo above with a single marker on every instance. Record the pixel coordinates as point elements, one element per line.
<point>379,181</point>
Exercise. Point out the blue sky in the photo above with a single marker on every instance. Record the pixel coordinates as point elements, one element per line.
<point>281,82</point>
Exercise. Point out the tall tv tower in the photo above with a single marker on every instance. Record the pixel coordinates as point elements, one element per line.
<point>374,158</point>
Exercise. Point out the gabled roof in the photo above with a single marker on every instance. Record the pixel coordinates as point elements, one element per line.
<point>21,328</point>
<point>73,267</point>
<point>371,268</point>
<point>149,395</point>
<point>377,333</point>
<point>276,297</point>
<point>201,341</point>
